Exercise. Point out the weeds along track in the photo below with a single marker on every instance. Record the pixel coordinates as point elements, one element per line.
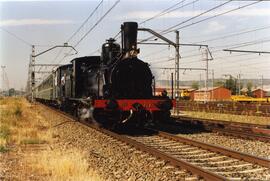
<point>206,161</point>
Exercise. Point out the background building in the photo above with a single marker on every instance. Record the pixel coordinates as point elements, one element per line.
<point>259,93</point>
<point>212,94</point>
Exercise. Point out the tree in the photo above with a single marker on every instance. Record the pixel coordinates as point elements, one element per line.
<point>231,85</point>
<point>249,87</point>
<point>218,83</point>
<point>195,85</point>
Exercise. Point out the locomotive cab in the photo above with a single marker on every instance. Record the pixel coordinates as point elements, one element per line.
<point>86,77</point>
<point>63,81</point>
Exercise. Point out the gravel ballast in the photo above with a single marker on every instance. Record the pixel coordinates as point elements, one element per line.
<point>110,158</point>
<point>253,147</point>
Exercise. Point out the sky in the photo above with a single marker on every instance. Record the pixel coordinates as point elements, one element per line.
<point>49,23</point>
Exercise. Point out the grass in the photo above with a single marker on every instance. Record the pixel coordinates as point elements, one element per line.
<point>20,124</point>
<point>32,141</point>
<point>18,111</point>
<point>4,136</point>
<point>3,149</point>
<point>4,132</point>
<point>229,117</point>
<point>64,165</point>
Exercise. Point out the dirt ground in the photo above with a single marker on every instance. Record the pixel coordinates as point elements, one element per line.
<point>29,148</point>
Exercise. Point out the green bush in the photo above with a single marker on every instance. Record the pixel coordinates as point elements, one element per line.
<point>3,149</point>
<point>18,111</point>
<point>4,132</point>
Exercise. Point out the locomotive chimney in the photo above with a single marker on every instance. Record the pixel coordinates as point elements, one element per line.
<point>129,32</point>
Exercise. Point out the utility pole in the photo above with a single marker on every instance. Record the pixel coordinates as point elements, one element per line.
<point>207,68</point>
<point>206,73</point>
<point>32,63</point>
<point>172,85</point>
<point>177,58</point>
<point>3,77</point>
<point>205,84</point>
<point>200,86</point>
<point>262,86</point>
<point>212,83</point>
<point>239,84</point>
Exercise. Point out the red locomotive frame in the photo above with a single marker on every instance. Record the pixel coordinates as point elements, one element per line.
<point>127,104</point>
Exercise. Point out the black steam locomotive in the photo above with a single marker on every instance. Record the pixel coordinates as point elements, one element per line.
<point>111,89</point>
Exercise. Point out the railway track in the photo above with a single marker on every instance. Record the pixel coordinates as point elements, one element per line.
<point>237,129</point>
<point>219,122</point>
<point>254,109</point>
<point>206,161</point>
<point>224,163</point>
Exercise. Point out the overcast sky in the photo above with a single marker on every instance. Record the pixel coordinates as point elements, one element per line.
<point>49,23</point>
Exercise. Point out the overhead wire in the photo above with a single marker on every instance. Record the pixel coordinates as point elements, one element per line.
<point>78,30</point>
<point>233,34</point>
<point>227,36</point>
<point>237,45</point>
<point>17,37</point>
<point>86,20</point>
<point>164,12</point>
<point>169,10</point>
<point>243,44</point>
<point>168,30</point>
<point>189,19</point>
<point>220,14</point>
<point>92,28</point>
<point>98,21</point>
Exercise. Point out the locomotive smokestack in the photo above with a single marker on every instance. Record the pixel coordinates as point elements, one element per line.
<point>129,32</point>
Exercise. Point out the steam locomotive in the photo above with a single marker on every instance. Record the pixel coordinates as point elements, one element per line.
<point>112,89</point>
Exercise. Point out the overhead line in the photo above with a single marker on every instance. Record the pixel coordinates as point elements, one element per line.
<point>185,21</point>
<point>95,51</point>
<point>241,60</point>
<point>238,45</point>
<point>85,21</point>
<point>228,36</point>
<point>205,12</point>
<point>244,44</point>
<point>16,36</point>
<point>97,23</point>
<point>234,34</point>
<point>160,14</point>
<point>166,11</point>
<point>220,14</point>
<point>155,52</point>
<point>247,51</point>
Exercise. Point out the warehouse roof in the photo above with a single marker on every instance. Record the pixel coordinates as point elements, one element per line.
<point>209,89</point>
